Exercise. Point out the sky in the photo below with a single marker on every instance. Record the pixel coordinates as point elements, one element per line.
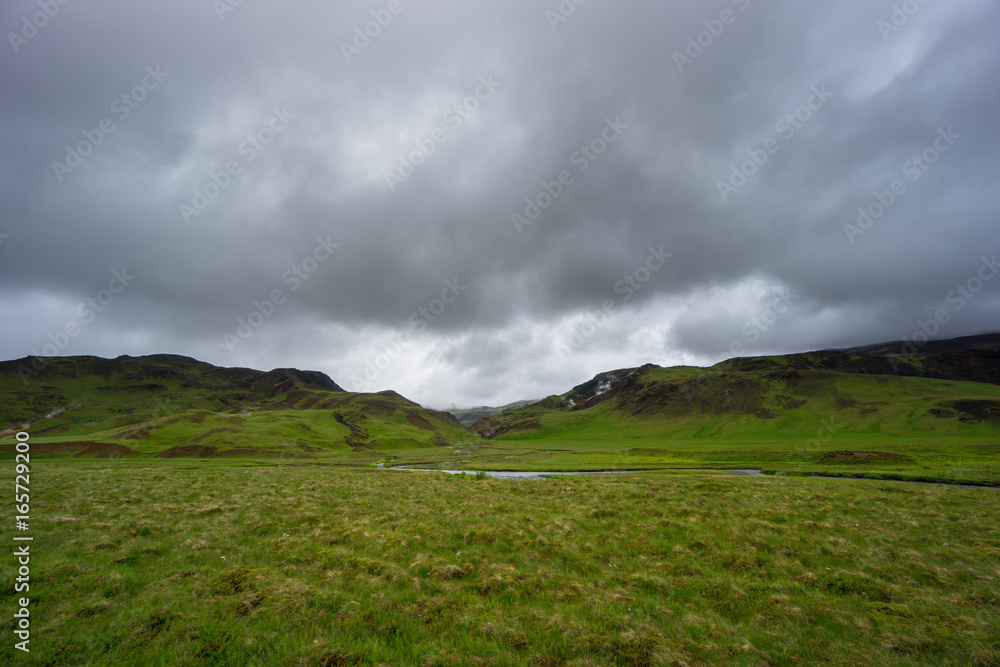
<point>479,202</point>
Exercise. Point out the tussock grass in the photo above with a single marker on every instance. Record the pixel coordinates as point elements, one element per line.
<point>198,565</point>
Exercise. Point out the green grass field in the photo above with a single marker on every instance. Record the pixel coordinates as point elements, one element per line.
<point>209,563</point>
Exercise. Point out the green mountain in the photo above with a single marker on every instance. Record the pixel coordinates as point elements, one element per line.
<point>168,405</point>
<point>933,413</point>
<point>859,395</point>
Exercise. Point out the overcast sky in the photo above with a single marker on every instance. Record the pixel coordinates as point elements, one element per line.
<point>478,202</point>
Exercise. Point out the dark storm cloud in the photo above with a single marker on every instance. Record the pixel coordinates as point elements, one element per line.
<point>280,145</point>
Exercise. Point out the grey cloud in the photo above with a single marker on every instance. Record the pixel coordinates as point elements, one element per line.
<point>324,176</point>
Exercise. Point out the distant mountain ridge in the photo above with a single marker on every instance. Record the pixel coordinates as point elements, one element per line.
<point>765,396</point>
<point>907,347</point>
<point>161,366</point>
<point>170,405</point>
<point>469,416</point>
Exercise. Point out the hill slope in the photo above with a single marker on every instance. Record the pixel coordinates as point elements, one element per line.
<point>954,392</point>
<point>170,405</point>
<point>829,411</point>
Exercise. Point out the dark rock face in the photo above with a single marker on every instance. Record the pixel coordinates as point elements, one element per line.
<point>315,378</point>
<point>977,410</point>
<point>281,380</point>
<point>488,427</point>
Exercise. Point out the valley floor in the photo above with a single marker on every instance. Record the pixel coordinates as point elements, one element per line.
<point>187,562</point>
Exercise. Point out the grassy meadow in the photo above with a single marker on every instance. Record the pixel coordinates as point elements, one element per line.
<point>188,562</point>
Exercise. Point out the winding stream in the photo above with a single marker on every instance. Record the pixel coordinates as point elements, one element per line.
<point>745,472</point>
<point>501,474</point>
